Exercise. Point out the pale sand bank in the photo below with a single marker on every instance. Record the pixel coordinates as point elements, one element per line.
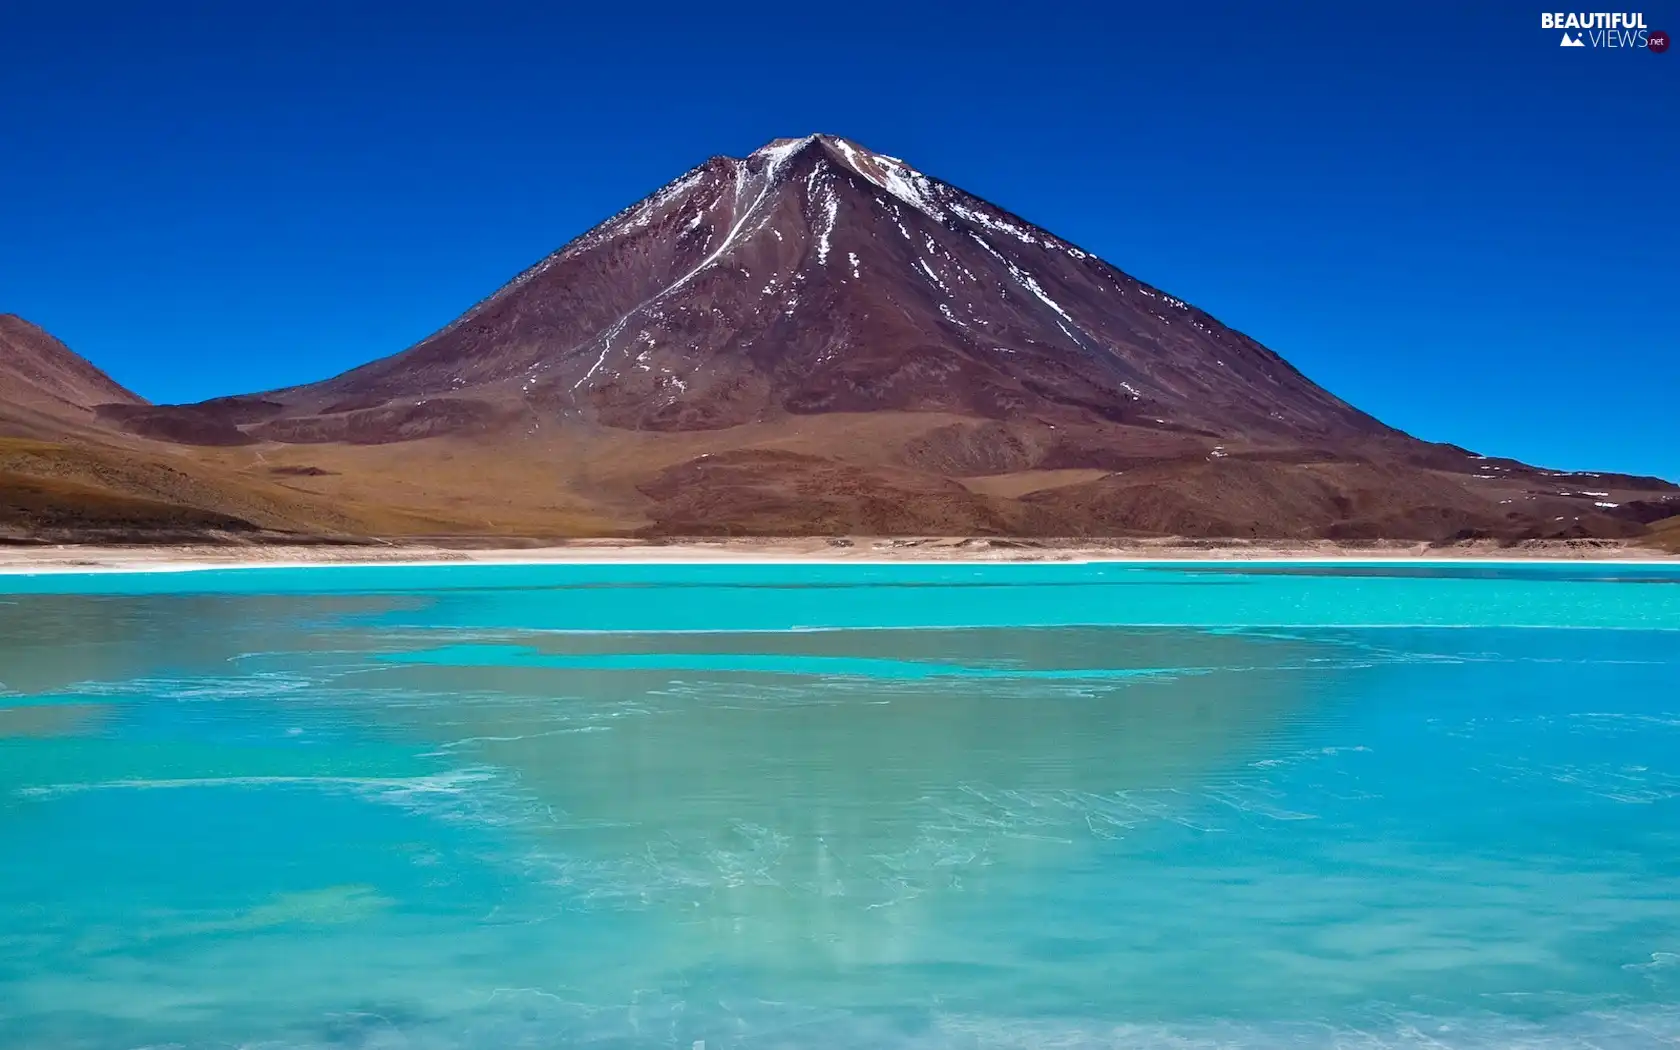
<point>186,557</point>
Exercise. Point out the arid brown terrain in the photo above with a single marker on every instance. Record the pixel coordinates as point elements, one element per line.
<point>812,340</point>
<point>66,474</point>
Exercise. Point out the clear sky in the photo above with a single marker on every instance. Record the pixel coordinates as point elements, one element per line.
<point>1438,214</point>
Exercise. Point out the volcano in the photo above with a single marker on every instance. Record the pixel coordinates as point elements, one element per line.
<point>816,276</point>
<point>819,338</point>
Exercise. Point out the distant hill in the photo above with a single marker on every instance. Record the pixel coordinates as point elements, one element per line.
<point>45,385</point>
<point>67,474</point>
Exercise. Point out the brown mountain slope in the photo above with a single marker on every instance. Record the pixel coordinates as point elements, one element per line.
<point>66,474</point>
<point>1665,535</point>
<point>45,386</point>
<point>819,338</point>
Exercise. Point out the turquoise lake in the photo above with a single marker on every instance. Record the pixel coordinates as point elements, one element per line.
<point>852,806</point>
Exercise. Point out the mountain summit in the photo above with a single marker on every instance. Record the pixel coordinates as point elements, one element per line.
<point>819,338</point>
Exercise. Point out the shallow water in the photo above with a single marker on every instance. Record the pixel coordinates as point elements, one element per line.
<point>841,806</point>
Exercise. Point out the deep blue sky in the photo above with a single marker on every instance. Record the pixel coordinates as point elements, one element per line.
<point>1440,216</point>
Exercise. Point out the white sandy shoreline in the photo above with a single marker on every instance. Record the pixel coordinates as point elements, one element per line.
<point>173,558</point>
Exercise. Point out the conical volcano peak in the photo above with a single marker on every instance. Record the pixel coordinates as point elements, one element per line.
<point>816,275</point>
<point>785,144</point>
<point>821,139</point>
<point>847,151</point>
<point>878,168</point>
